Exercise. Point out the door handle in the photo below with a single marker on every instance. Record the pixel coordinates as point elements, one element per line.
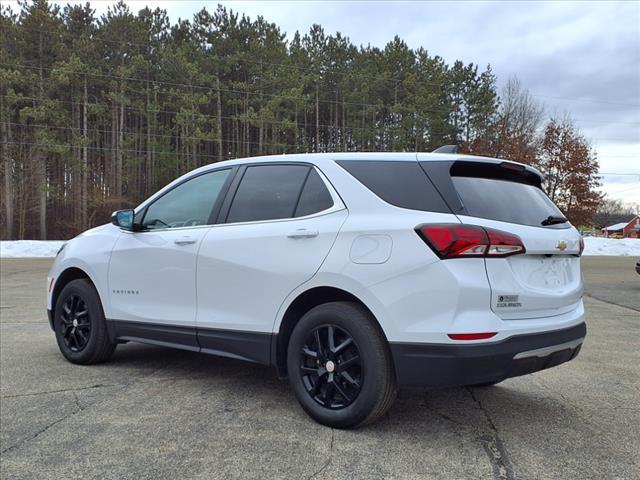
<point>184,241</point>
<point>303,233</point>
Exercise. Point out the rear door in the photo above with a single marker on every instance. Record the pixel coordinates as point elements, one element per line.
<point>546,279</point>
<point>278,225</point>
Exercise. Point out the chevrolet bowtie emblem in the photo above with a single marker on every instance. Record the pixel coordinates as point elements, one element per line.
<point>561,245</point>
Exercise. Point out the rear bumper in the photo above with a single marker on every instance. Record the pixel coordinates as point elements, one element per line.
<point>440,365</point>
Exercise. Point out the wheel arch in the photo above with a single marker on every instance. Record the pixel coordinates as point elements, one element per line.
<point>304,302</point>
<point>68,275</point>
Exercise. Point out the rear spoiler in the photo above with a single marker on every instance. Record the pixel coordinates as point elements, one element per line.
<point>497,169</point>
<point>528,174</point>
<point>447,149</point>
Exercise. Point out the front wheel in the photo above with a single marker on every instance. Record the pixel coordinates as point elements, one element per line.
<point>79,324</point>
<point>340,367</point>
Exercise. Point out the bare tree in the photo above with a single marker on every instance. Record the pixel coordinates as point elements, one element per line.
<point>518,124</point>
<point>515,133</point>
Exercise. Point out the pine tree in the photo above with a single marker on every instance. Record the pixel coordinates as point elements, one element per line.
<point>98,113</point>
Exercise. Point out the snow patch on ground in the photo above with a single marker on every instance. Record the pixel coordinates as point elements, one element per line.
<point>29,248</point>
<point>625,247</point>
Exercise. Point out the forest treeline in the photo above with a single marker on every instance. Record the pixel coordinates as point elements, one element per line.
<point>97,113</point>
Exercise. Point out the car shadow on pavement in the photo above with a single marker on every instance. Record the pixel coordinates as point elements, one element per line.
<point>522,403</point>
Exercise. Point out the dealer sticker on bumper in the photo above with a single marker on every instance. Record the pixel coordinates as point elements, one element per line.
<point>508,301</point>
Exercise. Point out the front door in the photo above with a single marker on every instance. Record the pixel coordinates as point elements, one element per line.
<point>152,273</point>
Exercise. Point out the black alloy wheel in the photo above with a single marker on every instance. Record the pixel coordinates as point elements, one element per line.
<point>331,367</point>
<point>79,324</point>
<point>75,323</point>
<point>339,365</point>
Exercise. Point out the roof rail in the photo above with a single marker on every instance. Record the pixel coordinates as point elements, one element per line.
<point>447,149</point>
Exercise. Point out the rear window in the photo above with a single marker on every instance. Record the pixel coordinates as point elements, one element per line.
<point>505,201</point>
<point>267,192</point>
<point>314,197</point>
<point>402,184</point>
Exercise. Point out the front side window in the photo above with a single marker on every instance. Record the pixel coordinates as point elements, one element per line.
<point>187,205</point>
<point>268,192</point>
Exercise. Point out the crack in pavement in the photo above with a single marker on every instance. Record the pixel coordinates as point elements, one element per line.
<point>458,432</point>
<point>548,388</point>
<point>37,434</point>
<point>80,408</point>
<point>494,447</point>
<point>444,416</point>
<point>64,390</point>
<point>611,303</point>
<point>38,322</point>
<point>328,462</point>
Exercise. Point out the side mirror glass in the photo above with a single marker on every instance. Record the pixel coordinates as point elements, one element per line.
<point>123,219</point>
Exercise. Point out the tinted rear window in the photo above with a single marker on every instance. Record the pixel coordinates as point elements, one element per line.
<point>267,192</point>
<point>314,197</point>
<point>505,201</point>
<point>403,184</point>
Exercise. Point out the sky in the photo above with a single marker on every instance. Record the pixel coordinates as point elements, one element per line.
<point>581,58</point>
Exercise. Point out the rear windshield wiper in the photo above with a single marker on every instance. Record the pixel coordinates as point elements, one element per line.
<point>553,220</point>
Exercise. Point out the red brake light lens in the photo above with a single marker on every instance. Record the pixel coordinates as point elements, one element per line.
<point>455,240</point>
<point>471,336</point>
<point>459,241</point>
<point>502,244</point>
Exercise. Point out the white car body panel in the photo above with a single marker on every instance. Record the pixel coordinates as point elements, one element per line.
<point>152,278</point>
<point>91,253</point>
<point>246,270</point>
<point>244,276</point>
<point>546,281</point>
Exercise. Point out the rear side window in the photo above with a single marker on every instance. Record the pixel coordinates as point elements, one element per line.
<point>315,197</point>
<point>267,192</point>
<point>403,184</point>
<point>505,201</point>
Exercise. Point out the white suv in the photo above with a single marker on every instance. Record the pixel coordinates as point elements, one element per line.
<point>351,273</point>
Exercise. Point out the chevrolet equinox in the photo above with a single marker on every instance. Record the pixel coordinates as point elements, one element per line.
<point>353,274</point>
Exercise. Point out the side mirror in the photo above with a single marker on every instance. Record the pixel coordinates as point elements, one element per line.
<point>124,219</point>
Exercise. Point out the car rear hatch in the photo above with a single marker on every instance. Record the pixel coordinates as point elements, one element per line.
<point>545,279</point>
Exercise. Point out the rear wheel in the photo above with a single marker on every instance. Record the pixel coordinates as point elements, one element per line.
<point>79,324</point>
<point>340,367</point>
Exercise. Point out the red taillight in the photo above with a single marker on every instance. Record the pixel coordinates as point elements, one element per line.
<point>455,240</point>
<point>458,241</point>
<point>502,244</point>
<point>471,336</point>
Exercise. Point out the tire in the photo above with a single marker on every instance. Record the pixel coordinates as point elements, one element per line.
<point>346,383</point>
<point>82,337</point>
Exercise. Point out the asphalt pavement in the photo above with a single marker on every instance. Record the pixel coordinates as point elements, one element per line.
<point>613,280</point>
<point>164,414</point>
